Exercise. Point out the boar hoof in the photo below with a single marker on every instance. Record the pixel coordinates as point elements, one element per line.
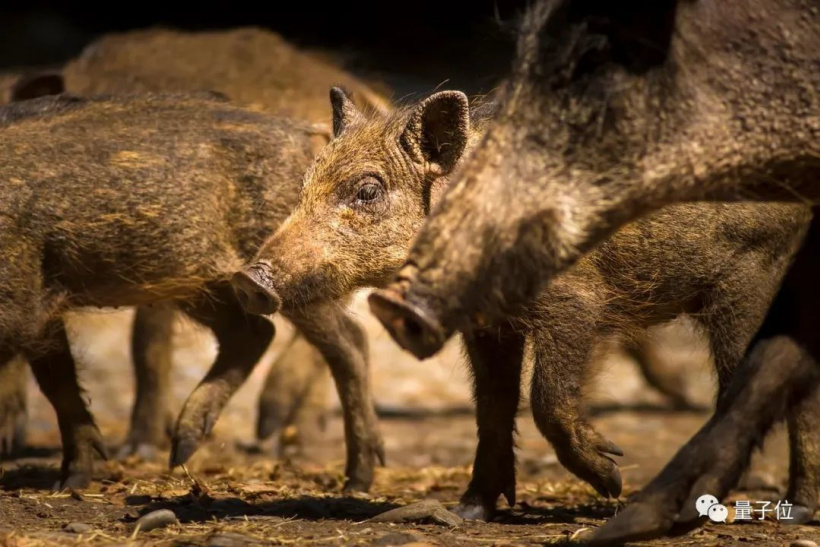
<point>269,421</point>
<point>181,450</point>
<point>587,457</point>
<point>610,484</point>
<point>473,511</point>
<point>800,515</point>
<point>637,522</point>
<point>12,436</point>
<point>379,451</point>
<point>75,480</point>
<point>354,484</point>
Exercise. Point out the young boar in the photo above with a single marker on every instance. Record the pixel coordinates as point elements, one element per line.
<point>275,77</point>
<point>369,192</point>
<point>150,199</point>
<point>252,66</point>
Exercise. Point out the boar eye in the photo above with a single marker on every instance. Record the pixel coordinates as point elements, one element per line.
<point>369,191</point>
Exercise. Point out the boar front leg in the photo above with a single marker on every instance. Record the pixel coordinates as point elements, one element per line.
<point>242,339</point>
<point>152,350</point>
<point>563,343</point>
<point>13,403</point>
<point>343,344</point>
<point>495,355</point>
<point>56,373</point>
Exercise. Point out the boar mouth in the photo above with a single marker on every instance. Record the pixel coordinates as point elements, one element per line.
<point>408,324</point>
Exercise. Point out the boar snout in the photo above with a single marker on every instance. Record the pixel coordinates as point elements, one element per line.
<point>254,292</point>
<point>409,326</point>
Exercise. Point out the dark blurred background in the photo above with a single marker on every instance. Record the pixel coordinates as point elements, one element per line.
<point>410,45</point>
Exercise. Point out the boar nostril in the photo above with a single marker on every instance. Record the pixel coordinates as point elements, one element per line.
<point>253,296</point>
<point>413,328</point>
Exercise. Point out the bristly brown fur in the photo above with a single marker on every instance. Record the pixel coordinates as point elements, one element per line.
<point>133,200</point>
<point>275,78</point>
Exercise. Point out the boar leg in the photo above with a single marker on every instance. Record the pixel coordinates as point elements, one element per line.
<point>775,370</point>
<point>804,462</point>
<point>56,373</point>
<point>343,344</point>
<point>563,355</point>
<point>294,393</point>
<point>643,351</point>
<point>495,356</point>
<point>13,399</point>
<point>152,350</point>
<point>242,339</point>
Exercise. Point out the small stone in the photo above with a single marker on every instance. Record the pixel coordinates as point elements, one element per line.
<point>423,510</point>
<point>156,519</point>
<point>78,528</point>
<point>803,543</point>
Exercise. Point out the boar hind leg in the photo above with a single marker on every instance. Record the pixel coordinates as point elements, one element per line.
<point>152,350</point>
<point>343,344</point>
<point>295,393</point>
<point>242,341</point>
<point>495,356</point>
<point>56,373</point>
<point>13,399</point>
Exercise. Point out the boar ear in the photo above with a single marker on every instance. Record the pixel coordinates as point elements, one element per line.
<point>438,129</point>
<point>35,85</point>
<point>345,112</point>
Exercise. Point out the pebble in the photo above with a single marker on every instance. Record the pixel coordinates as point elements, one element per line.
<point>803,543</point>
<point>156,519</point>
<point>78,528</point>
<point>423,510</point>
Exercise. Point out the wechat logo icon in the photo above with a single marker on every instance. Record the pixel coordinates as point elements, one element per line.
<point>708,506</point>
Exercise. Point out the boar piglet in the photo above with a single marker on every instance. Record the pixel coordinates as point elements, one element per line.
<point>275,77</point>
<point>369,191</point>
<point>141,200</point>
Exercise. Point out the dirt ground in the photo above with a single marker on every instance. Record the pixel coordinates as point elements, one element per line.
<point>235,493</point>
<point>232,497</point>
